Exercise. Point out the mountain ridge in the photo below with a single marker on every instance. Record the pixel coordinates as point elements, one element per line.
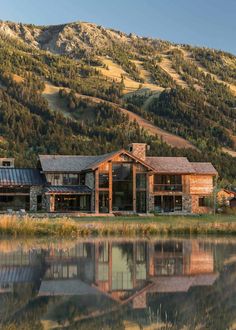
<point>162,87</point>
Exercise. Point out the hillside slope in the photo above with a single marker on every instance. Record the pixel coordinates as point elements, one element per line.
<point>120,88</point>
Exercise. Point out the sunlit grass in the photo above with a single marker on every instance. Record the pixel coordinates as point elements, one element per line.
<point>69,227</point>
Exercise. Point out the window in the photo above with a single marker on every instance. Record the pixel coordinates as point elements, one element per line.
<point>6,163</point>
<point>56,179</point>
<point>122,187</point>
<point>70,179</point>
<point>203,201</point>
<point>167,183</point>
<point>103,201</point>
<point>141,201</point>
<point>141,181</point>
<point>39,202</point>
<point>81,179</point>
<point>168,203</point>
<point>103,180</point>
<point>122,172</point>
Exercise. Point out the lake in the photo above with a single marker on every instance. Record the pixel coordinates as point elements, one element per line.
<point>158,283</point>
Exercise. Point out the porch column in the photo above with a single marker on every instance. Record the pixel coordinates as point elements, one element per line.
<point>51,203</point>
<point>134,188</point>
<point>33,198</point>
<point>110,187</point>
<point>97,191</point>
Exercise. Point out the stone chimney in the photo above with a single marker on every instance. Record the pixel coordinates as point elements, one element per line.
<point>138,150</point>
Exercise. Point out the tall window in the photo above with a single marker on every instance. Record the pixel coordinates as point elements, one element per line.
<point>122,187</point>
<point>103,180</point>
<point>141,196</point>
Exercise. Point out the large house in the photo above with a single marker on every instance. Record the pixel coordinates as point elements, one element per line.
<point>124,181</point>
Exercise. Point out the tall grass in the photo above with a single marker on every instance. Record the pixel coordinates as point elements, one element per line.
<point>64,227</point>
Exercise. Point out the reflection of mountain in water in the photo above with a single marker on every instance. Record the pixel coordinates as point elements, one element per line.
<point>142,281</point>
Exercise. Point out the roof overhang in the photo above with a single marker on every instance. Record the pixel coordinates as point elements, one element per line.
<point>67,190</point>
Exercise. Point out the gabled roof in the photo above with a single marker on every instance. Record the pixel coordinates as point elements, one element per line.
<point>228,191</point>
<point>204,168</point>
<point>64,163</point>
<point>175,165</point>
<point>20,177</point>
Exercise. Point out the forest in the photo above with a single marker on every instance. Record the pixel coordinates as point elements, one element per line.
<point>203,113</point>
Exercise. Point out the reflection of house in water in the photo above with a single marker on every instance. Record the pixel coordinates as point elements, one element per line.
<point>127,271</point>
<point>117,272</point>
<point>19,267</point>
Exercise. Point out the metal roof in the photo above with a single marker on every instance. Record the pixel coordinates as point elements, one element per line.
<point>13,274</point>
<point>21,177</point>
<point>66,287</point>
<point>67,190</point>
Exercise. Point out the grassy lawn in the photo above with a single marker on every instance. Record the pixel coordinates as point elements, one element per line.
<point>118,226</point>
<point>161,219</point>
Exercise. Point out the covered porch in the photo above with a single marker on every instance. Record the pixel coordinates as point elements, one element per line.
<point>68,199</point>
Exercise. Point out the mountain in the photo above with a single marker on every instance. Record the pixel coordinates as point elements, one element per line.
<point>81,88</point>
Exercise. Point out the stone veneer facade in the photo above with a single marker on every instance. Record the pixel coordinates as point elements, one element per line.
<point>35,191</point>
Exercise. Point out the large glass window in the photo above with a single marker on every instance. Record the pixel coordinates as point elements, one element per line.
<point>65,203</point>
<point>14,202</point>
<point>103,201</point>
<point>141,201</point>
<point>122,187</point>
<point>167,183</point>
<point>168,203</point>
<point>141,181</point>
<point>103,180</point>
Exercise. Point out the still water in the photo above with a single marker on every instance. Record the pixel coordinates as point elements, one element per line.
<point>118,284</point>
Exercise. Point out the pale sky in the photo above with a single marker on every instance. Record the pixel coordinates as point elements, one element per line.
<point>210,23</point>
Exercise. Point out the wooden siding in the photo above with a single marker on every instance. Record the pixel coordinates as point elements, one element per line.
<point>201,184</point>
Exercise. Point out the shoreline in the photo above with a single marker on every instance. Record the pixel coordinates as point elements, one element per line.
<point>27,226</point>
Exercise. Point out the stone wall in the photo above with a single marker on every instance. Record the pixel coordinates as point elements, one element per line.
<point>150,203</point>
<point>90,182</point>
<point>187,203</point>
<point>34,192</point>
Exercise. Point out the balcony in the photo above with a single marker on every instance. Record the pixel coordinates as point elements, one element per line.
<point>167,187</point>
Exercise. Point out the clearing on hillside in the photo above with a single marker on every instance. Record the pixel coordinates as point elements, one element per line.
<point>51,94</point>
<point>115,72</point>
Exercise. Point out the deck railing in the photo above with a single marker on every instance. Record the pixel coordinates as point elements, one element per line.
<point>167,187</point>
